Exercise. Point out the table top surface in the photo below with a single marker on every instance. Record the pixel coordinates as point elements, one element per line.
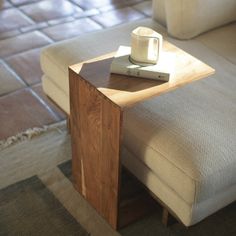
<point>126,91</point>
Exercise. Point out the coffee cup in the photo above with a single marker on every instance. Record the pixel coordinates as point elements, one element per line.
<point>146,46</point>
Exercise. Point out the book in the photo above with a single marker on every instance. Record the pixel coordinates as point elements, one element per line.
<point>121,64</point>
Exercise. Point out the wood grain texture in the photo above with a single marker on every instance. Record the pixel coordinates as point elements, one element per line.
<point>95,131</point>
<point>126,91</point>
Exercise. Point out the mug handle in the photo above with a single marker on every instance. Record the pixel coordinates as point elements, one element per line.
<point>159,42</point>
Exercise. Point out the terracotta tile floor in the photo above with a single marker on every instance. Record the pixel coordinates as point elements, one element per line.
<point>27,66</point>
<point>28,25</point>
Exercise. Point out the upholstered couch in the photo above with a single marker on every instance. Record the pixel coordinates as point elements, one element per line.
<point>181,145</point>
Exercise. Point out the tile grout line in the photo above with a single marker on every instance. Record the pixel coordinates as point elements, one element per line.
<point>13,72</point>
<point>51,41</point>
<point>49,109</point>
<point>27,17</point>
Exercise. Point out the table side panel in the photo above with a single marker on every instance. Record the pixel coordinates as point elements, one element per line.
<point>95,131</point>
<point>74,130</point>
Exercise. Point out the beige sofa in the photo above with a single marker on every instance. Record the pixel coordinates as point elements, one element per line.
<point>181,145</point>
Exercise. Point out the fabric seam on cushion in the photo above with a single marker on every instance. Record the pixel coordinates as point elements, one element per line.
<point>167,160</point>
<point>194,180</point>
<point>161,179</point>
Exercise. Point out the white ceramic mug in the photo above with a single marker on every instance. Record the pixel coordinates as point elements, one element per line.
<point>146,46</point>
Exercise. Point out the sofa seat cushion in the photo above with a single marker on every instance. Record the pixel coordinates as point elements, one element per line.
<point>185,141</point>
<point>188,136</point>
<point>56,58</point>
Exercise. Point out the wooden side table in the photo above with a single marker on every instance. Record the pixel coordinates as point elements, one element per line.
<point>98,100</point>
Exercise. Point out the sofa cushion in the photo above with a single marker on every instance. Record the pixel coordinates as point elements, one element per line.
<point>186,19</point>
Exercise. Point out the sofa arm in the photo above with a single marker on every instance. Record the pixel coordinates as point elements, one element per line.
<point>188,18</point>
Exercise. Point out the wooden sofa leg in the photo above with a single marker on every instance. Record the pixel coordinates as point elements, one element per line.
<point>165,215</point>
<point>68,123</point>
<point>167,218</point>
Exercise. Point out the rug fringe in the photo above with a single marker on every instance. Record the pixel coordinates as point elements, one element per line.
<point>30,133</point>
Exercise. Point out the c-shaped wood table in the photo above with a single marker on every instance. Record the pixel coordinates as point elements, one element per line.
<point>97,103</point>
